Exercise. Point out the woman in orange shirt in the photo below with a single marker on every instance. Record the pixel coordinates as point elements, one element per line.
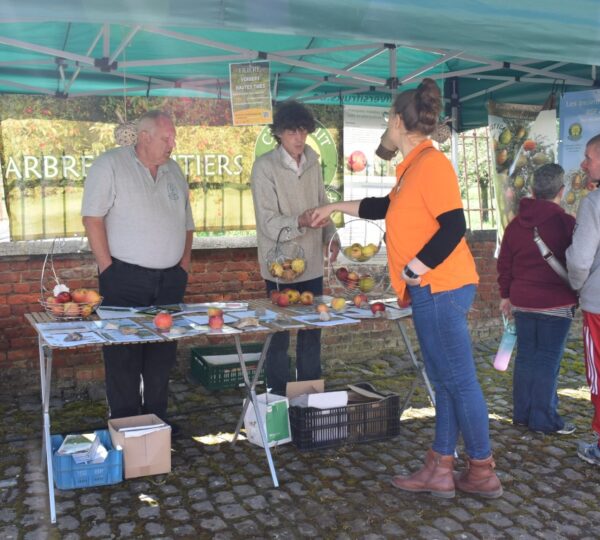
<point>430,262</point>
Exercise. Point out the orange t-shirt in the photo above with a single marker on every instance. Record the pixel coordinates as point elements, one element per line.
<point>426,188</point>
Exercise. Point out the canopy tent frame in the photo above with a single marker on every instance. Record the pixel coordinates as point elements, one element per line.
<point>108,58</point>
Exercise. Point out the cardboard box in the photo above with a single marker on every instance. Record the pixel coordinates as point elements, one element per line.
<point>312,394</point>
<point>146,444</point>
<point>273,414</point>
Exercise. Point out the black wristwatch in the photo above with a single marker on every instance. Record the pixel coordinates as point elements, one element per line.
<point>410,274</point>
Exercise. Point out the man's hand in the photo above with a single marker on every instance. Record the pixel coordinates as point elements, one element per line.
<point>306,220</point>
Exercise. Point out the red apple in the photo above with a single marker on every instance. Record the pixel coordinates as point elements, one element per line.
<point>213,311</point>
<point>163,320</point>
<point>55,307</point>
<point>378,308</point>
<point>360,299</point>
<point>216,322</point>
<point>283,300</point>
<point>357,161</point>
<point>275,294</point>
<point>342,274</point>
<point>63,297</point>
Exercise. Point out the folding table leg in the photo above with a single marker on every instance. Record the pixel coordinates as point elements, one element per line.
<point>419,367</point>
<point>251,397</point>
<point>45,381</point>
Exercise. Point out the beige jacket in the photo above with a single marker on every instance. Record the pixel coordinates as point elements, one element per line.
<point>280,196</point>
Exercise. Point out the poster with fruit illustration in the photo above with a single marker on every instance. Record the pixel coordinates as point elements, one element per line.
<point>523,139</point>
<point>579,122</point>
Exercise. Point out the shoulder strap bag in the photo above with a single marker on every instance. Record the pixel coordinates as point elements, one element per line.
<point>549,257</point>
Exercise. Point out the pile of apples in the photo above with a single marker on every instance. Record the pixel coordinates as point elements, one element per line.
<point>352,280</point>
<point>288,269</point>
<point>358,252</point>
<point>67,304</point>
<point>286,297</point>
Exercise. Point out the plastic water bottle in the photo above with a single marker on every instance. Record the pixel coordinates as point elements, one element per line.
<point>507,344</point>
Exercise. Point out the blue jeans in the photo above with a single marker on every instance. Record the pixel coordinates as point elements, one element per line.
<point>308,347</point>
<point>541,341</point>
<point>440,321</point>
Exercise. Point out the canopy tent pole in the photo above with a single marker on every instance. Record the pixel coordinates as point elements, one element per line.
<point>454,112</point>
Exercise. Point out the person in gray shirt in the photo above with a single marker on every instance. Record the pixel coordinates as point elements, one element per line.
<point>583,265</point>
<point>287,184</point>
<point>139,224</point>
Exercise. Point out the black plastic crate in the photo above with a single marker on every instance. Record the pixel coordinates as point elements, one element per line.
<point>227,375</point>
<point>357,422</point>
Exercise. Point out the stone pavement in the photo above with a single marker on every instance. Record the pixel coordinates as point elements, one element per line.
<point>221,491</point>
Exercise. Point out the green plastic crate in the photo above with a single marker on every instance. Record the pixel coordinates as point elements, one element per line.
<point>217,367</point>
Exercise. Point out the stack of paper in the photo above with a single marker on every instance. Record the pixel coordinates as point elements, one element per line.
<point>83,448</point>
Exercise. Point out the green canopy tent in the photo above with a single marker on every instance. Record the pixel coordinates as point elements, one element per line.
<point>350,51</point>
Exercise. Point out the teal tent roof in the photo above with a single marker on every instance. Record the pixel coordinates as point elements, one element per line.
<point>350,51</point>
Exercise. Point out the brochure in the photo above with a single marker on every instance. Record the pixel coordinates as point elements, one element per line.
<point>315,320</point>
<point>71,339</point>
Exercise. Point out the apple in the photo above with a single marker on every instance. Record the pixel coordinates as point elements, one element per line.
<point>369,250</point>
<point>360,300</point>
<point>276,269</point>
<point>283,300</point>
<point>356,251</point>
<point>71,309</point>
<point>342,274</point>
<point>212,311</point>
<point>274,295</point>
<point>357,161</point>
<point>339,304</point>
<point>55,307</point>
<point>92,297</point>
<point>163,320</point>
<point>322,308</point>
<point>63,297</point>
<point>366,283</point>
<point>298,266</point>
<point>378,309</point>
<point>288,274</point>
<point>86,310</point>
<point>216,322</point>
<point>293,295</point>
<point>79,295</point>
<point>307,298</point>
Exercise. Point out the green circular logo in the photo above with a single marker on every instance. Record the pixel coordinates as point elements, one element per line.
<point>575,131</point>
<point>320,141</point>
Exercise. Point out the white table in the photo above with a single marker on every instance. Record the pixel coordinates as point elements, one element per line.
<point>46,352</point>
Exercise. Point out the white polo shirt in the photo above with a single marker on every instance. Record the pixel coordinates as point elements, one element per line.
<point>146,220</point>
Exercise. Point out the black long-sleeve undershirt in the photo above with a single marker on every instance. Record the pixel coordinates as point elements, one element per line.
<point>452,228</point>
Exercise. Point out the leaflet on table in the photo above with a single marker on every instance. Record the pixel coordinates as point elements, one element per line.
<point>204,306</point>
<point>125,331</point>
<point>315,320</point>
<point>75,338</point>
<point>390,313</point>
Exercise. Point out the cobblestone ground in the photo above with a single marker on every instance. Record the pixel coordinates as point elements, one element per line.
<point>221,491</point>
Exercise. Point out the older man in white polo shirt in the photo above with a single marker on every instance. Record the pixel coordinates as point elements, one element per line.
<point>138,220</point>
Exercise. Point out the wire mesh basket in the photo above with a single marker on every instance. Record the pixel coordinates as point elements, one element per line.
<point>286,261</point>
<point>59,302</point>
<point>361,264</point>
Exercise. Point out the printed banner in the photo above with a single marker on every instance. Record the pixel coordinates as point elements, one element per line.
<point>250,92</point>
<point>523,138</point>
<point>48,145</point>
<point>579,122</point>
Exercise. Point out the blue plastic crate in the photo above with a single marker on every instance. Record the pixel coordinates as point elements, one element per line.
<point>71,475</point>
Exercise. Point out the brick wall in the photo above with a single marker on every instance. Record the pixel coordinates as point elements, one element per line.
<point>216,274</point>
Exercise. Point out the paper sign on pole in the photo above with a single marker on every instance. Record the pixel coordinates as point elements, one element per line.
<point>250,93</point>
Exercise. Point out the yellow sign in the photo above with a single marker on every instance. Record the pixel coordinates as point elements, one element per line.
<point>250,93</point>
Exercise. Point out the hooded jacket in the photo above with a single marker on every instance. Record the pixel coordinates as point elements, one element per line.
<point>583,257</point>
<point>523,274</point>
